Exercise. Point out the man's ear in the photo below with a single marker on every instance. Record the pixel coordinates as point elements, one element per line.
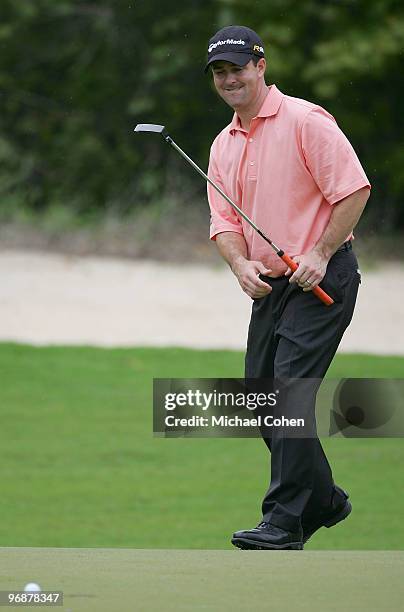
<point>261,66</point>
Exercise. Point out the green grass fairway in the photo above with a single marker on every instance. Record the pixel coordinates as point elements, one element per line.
<point>79,466</point>
<point>106,580</point>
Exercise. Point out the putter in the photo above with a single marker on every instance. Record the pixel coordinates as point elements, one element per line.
<point>160,129</point>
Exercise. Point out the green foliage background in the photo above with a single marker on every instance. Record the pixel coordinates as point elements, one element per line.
<point>75,78</point>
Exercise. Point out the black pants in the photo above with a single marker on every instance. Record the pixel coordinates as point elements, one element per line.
<point>294,335</point>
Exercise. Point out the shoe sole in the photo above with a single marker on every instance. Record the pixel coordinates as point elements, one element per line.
<point>245,544</point>
<point>337,518</point>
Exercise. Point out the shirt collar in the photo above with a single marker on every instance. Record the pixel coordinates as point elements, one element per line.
<point>269,107</point>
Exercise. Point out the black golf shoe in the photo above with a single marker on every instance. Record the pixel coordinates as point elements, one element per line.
<point>268,537</point>
<point>340,508</point>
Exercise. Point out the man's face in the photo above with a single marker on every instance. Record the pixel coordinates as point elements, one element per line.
<point>238,85</point>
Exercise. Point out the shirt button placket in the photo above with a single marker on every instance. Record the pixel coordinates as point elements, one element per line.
<point>252,166</point>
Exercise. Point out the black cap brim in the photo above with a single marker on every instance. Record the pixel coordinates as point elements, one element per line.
<point>240,59</point>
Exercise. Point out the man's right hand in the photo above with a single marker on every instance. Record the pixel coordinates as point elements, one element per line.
<point>247,273</point>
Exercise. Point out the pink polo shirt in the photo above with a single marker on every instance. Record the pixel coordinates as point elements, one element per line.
<point>285,173</point>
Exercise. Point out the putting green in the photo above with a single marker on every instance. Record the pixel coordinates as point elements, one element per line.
<point>126,580</point>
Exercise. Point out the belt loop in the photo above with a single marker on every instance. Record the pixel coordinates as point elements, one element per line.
<point>347,246</point>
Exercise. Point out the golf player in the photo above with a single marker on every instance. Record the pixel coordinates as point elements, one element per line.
<point>290,168</point>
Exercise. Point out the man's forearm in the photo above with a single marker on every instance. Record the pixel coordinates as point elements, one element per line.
<point>344,217</point>
<point>232,247</point>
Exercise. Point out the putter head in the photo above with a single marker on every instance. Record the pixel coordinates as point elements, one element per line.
<point>151,127</point>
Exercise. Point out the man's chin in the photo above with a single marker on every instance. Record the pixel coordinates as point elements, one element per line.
<point>235,102</point>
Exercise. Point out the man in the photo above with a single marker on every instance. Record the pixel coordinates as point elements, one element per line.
<point>287,164</point>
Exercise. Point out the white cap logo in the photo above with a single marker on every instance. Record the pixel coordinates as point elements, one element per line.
<point>228,41</point>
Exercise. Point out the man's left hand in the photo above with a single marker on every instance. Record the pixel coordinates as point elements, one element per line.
<point>311,270</point>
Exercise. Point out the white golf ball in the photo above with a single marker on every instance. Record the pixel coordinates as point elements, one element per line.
<point>32,587</point>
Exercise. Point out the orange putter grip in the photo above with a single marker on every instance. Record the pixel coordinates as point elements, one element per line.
<point>320,293</point>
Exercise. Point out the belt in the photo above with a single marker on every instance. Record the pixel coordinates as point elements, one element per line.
<point>347,246</point>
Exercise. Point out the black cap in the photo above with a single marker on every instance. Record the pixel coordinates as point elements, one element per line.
<point>235,44</point>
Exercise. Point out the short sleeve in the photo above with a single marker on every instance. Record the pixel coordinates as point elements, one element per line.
<point>223,217</point>
<point>330,157</point>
